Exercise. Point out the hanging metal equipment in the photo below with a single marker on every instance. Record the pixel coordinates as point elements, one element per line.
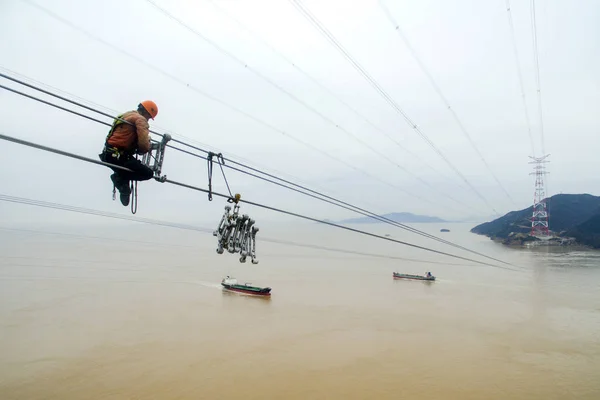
<point>153,159</point>
<point>237,233</point>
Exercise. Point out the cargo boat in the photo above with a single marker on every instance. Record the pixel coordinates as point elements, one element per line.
<point>233,285</point>
<point>427,277</point>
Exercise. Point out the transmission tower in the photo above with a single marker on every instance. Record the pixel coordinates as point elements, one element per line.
<point>539,218</point>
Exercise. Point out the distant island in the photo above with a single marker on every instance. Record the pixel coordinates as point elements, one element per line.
<point>402,217</point>
<point>573,219</point>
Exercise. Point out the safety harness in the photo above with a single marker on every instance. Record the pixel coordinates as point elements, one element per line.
<point>115,152</point>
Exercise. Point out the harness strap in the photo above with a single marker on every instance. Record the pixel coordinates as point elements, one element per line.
<point>117,121</point>
<point>115,152</point>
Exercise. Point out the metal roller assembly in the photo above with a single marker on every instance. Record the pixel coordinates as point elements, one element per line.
<point>236,233</point>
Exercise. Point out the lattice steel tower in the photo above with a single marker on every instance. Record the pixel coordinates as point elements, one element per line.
<point>539,218</point>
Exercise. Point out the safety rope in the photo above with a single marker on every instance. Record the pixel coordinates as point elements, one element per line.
<point>210,165</point>
<point>134,196</point>
<point>221,162</point>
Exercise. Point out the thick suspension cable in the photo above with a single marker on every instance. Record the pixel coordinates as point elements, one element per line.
<point>513,40</point>
<point>344,103</point>
<point>114,239</point>
<point>365,213</point>
<point>324,32</point>
<point>115,112</point>
<point>439,92</point>
<point>307,106</point>
<point>537,74</point>
<point>538,86</point>
<point>88,211</point>
<point>275,209</point>
<point>290,243</point>
<point>323,197</point>
<point>322,86</point>
<point>221,102</point>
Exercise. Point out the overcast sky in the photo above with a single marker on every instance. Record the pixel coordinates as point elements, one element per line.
<point>466,46</point>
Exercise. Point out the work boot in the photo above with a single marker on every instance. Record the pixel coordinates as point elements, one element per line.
<point>123,188</point>
<point>125,198</point>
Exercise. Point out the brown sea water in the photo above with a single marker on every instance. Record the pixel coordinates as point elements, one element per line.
<point>89,318</point>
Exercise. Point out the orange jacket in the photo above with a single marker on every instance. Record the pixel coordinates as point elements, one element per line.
<point>132,137</point>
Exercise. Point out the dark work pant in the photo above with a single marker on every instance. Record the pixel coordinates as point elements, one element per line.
<point>140,171</point>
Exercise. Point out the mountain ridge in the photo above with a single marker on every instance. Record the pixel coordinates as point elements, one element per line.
<point>570,215</point>
<point>402,217</point>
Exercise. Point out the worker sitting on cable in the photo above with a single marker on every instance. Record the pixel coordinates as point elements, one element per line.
<point>124,140</point>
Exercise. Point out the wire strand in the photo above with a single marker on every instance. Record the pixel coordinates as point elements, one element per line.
<point>352,109</point>
<point>438,90</point>
<point>151,130</point>
<point>316,195</point>
<point>519,74</point>
<point>219,101</point>
<point>537,74</point>
<point>322,86</point>
<point>275,209</point>
<point>115,112</point>
<point>307,106</point>
<point>57,206</point>
<point>321,29</point>
<point>206,230</point>
<point>366,213</point>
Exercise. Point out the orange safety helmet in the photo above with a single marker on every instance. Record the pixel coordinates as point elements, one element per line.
<point>151,107</point>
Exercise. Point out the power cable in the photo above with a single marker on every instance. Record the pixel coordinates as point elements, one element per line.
<point>115,112</point>
<point>537,73</point>
<point>204,230</point>
<point>321,29</point>
<point>328,91</point>
<point>323,197</point>
<point>538,85</point>
<point>262,239</point>
<point>320,85</point>
<point>438,90</point>
<point>519,74</point>
<point>217,100</point>
<point>57,206</point>
<point>80,104</point>
<point>538,90</point>
<point>280,88</point>
<point>275,209</point>
<point>336,225</point>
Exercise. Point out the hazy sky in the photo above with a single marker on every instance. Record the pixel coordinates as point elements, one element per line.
<point>466,46</point>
